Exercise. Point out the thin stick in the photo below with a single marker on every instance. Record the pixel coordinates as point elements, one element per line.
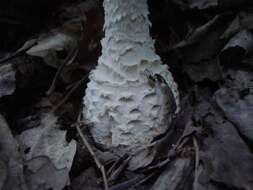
<point>77,82</point>
<point>115,164</point>
<point>144,180</point>
<point>18,52</point>
<point>196,148</point>
<point>70,58</point>
<point>104,177</point>
<point>114,175</point>
<point>69,93</point>
<point>56,76</point>
<point>99,165</point>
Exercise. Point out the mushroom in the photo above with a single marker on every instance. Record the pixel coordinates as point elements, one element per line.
<point>123,106</point>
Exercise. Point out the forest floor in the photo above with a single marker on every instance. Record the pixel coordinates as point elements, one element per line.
<point>48,48</point>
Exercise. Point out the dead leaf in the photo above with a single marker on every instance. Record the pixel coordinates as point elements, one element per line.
<point>142,158</point>
<point>227,159</point>
<point>47,152</point>
<point>41,174</point>
<point>7,80</point>
<point>11,165</point>
<point>203,4</point>
<point>176,176</point>
<point>48,47</point>
<point>238,110</point>
<point>243,40</point>
<point>204,70</point>
<point>3,173</point>
<point>208,4</point>
<point>237,47</point>
<point>87,179</point>
<point>204,43</point>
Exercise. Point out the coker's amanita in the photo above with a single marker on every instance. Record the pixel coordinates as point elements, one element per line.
<point>120,104</point>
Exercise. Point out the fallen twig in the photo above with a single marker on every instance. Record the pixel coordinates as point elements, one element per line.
<point>114,175</point>
<point>56,77</point>
<point>66,97</point>
<point>70,58</point>
<point>144,180</point>
<point>97,162</point>
<point>196,148</point>
<point>19,51</point>
<point>115,164</point>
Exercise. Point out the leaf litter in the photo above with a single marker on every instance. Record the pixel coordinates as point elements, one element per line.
<point>209,146</point>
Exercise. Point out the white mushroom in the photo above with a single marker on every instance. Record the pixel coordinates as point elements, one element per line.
<point>120,104</point>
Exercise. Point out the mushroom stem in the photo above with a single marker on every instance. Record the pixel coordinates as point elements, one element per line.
<point>120,103</point>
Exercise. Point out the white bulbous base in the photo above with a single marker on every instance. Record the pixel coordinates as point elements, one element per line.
<point>120,105</point>
<point>129,114</point>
